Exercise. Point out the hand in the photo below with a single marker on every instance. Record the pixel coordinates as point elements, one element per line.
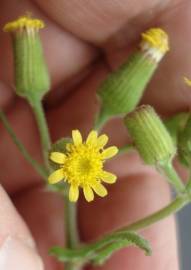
<point>84,40</point>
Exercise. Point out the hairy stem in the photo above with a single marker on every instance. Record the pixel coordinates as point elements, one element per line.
<point>173,177</point>
<point>125,149</point>
<point>43,129</point>
<point>40,169</point>
<point>71,229</point>
<point>172,208</point>
<point>70,210</point>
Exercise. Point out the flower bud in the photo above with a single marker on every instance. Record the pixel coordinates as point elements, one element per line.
<point>31,75</point>
<point>122,90</point>
<point>150,136</point>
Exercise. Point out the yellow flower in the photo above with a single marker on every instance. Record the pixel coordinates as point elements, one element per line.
<point>24,22</point>
<point>155,43</point>
<point>157,38</point>
<point>82,165</point>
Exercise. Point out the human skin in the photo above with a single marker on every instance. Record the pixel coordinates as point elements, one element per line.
<point>83,41</point>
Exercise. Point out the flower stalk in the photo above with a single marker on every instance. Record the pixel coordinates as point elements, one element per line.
<point>172,176</point>
<point>39,169</point>
<point>38,111</point>
<point>163,213</point>
<point>71,228</point>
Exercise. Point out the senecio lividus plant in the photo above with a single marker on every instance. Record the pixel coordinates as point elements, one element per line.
<point>74,165</point>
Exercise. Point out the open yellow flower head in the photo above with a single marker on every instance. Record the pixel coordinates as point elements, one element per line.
<point>24,22</point>
<point>81,166</point>
<point>155,42</point>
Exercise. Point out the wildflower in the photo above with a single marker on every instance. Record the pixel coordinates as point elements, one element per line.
<point>120,93</point>
<point>81,165</point>
<point>31,75</point>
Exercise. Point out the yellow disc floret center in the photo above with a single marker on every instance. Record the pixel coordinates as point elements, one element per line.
<point>83,165</point>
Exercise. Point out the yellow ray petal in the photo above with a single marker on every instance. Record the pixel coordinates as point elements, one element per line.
<point>56,176</point>
<point>92,138</point>
<point>187,81</point>
<point>108,177</point>
<point>100,189</point>
<point>102,141</point>
<point>58,157</point>
<point>73,193</point>
<point>77,137</point>
<point>88,193</point>
<point>109,152</point>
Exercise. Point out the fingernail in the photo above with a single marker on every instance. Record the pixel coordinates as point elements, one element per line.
<point>16,255</point>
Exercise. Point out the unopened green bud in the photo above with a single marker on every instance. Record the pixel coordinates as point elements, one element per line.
<point>31,75</point>
<point>150,136</point>
<point>120,93</point>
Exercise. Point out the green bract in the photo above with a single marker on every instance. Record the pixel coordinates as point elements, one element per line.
<point>31,75</point>
<point>150,136</point>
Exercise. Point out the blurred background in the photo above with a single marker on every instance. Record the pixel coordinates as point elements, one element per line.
<point>184,228</point>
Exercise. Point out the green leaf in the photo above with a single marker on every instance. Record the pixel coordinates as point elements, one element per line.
<point>118,241</point>
<point>109,250</point>
<point>98,252</point>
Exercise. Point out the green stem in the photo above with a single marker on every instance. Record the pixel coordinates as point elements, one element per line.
<point>70,210</point>
<point>71,229</point>
<point>101,119</point>
<point>125,149</point>
<point>172,176</point>
<point>146,222</point>
<point>172,208</point>
<point>43,129</point>
<point>40,169</point>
